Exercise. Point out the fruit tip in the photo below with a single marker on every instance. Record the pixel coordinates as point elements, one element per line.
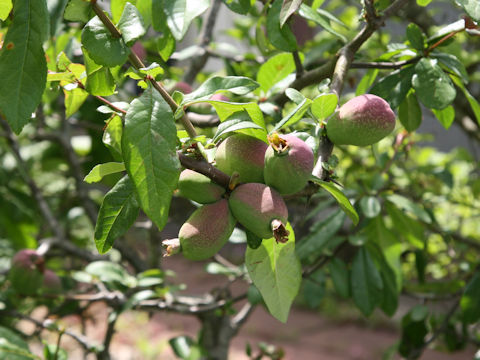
<point>280,233</point>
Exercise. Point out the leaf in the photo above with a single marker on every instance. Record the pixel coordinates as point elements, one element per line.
<point>180,14</point>
<point>74,99</point>
<point>185,348</point>
<point>288,9</point>
<point>408,228</point>
<point>131,24</point>
<point>238,85</point>
<point>117,214</point>
<point>320,234</point>
<point>423,2</point>
<point>294,116</point>
<point>366,82</point>
<point>433,87</point>
<point>445,116</point>
<point>410,207</point>
<point>340,277</point>
<point>101,170</point>
<point>275,69</point>
<point>5,8</point>
<point>415,37</point>
<point>102,47</point>
<point>108,272</point>
<point>149,152</point>
<point>166,45</point>
<point>394,87</point>
<point>370,206</point>
<point>342,200</point>
<point>324,105</point>
<point>314,289</point>
<point>23,68</point>
<point>471,100</point>
<point>276,272</point>
<point>99,78</point>
<point>471,7</point>
<point>410,113</point>
<point>78,10</point>
<point>452,63</point>
<point>12,346</point>
<point>366,282</point>
<point>321,19</point>
<point>235,123</point>
<point>239,6</point>
<point>112,137</point>
<point>470,301</point>
<point>280,37</point>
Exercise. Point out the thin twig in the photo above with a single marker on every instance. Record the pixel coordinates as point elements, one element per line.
<point>298,65</point>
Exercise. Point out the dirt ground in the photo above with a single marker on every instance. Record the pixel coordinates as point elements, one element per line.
<point>307,335</point>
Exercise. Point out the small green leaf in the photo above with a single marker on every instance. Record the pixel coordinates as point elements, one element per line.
<point>101,170</point>
<point>324,105</point>
<point>394,87</point>
<point>445,116</point>
<point>340,277</point>
<point>470,301</point>
<point>415,37</point>
<point>276,272</point>
<point>149,152</point>
<point>166,45</point>
<point>23,68</point>
<point>294,116</point>
<point>13,347</point>
<point>275,69</point>
<point>5,8</point>
<point>406,227</point>
<point>366,282</point>
<point>131,24</point>
<point>410,207</point>
<point>102,47</point>
<point>237,121</point>
<point>433,87</point>
<point>288,9</point>
<point>471,7</point>
<point>314,289</point>
<point>78,10</point>
<point>366,82</point>
<point>322,19</point>
<point>423,2</point>
<point>181,13</point>
<point>108,272</point>
<point>99,78</point>
<point>280,37</point>
<point>370,206</point>
<point>112,137</point>
<point>453,64</point>
<point>185,348</point>
<point>471,100</point>
<point>410,113</point>
<point>239,6</point>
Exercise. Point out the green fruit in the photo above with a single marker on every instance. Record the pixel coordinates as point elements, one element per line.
<point>242,154</point>
<point>362,121</point>
<point>206,230</point>
<point>51,282</point>
<point>260,209</point>
<point>26,272</point>
<point>288,164</point>
<point>197,187</point>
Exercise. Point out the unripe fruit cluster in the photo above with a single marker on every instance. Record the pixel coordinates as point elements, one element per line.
<point>264,173</point>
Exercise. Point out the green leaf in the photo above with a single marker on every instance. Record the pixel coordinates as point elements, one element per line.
<point>237,121</point>
<point>366,82</point>
<point>101,170</point>
<point>276,272</point>
<point>239,6</point>
<point>433,87</point>
<point>99,78</point>
<point>288,9</point>
<point>74,99</point>
<point>408,228</point>
<point>324,105</point>
<point>149,152</point>
<point>394,87</point>
<point>5,8</point>
<point>117,7</point>
<point>410,207</point>
<point>452,63</point>
<point>423,2</point>
<point>366,282</point>
<point>145,9</point>
<point>180,14</point>
<point>112,137</point>
<point>470,301</point>
<point>238,85</point>
<point>322,19</point>
<point>414,330</point>
<point>415,37</point>
<point>185,348</point>
<point>314,289</point>
<point>280,37</point>
<point>166,45</point>
<point>108,272</point>
<point>370,206</point>
<point>320,234</point>
<point>13,347</point>
<point>78,10</point>
<point>294,116</point>
<point>275,69</point>
<point>102,47</point>
<point>131,24</point>
<point>471,7</point>
<point>410,113</point>
<point>117,214</point>
<point>471,100</point>
<point>342,200</point>
<point>23,68</point>
<point>340,277</point>
<point>445,116</point>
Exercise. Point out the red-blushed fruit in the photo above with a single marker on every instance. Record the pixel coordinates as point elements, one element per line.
<point>206,230</point>
<point>288,163</point>
<point>197,187</point>
<point>242,154</point>
<point>361,121</point>
<point>51,283</point>
<point>26,272</point>
<point>261,210</point>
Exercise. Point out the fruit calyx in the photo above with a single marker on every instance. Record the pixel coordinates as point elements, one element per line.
<point>278,144</point>
<point>280,232</point>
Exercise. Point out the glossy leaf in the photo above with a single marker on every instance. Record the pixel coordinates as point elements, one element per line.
<point>239,6</point>
<point>322,19</point>
<point>78,10</point>
<point>445,116</point>
<point>149,152</point>
<point>23,68</point>
<point>324,105</point>
<point>288,9</point>
<point>410,113</point>
<point>275,69</point>
<point>166,45</point>
<point>131,24</point>
<point>109,272</point>
<point>99,78</point>
<point>470,301</point>
<point>340,277</point>
<point>5,8</point>
<point>453,64</point>
<point>433,87</point>
<point>181,13</point>
<point>394,87</point>
<point>276,272</point>
<point>101,170</point>
<point>415,37</point>
<point>366,82</point>
<point>117,7</point>
<point>471,7</point>
<point>294,116</point>
<point>280,37</point>
<point>112,137</point>
<point>102,47</point>
<point>235,123</point>
<point>366,282</point>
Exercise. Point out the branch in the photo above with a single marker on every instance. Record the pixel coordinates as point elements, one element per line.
<point>298,65</point>
<point>205,168</point>
<point>383,64</point>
